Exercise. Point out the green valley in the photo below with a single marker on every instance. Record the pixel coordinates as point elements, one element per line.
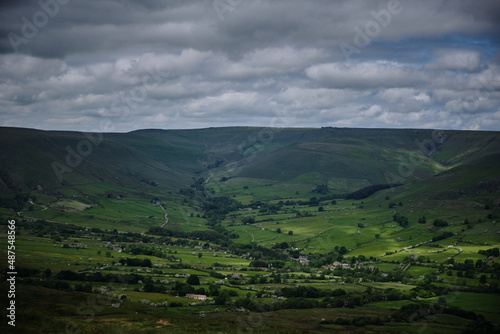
<point>254,230</point>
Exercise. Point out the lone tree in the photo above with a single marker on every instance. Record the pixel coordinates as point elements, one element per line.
<point>193,280</point>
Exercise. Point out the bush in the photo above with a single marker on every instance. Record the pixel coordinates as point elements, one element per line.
<point>440,223</point>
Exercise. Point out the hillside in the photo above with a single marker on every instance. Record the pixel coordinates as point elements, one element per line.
<point>344,159</point>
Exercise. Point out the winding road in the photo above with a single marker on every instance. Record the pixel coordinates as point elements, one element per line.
<point>166,217</point>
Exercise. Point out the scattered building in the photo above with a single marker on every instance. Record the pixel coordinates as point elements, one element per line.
<point>195,296</point>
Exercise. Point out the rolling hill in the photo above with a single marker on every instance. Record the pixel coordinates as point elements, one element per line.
<point>159,160</point>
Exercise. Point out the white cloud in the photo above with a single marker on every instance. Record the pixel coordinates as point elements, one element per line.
<point>365,75</point>
<point>465,60</point>
<point>226,102</point>
<point>270,61</point>
<point>175,64</point>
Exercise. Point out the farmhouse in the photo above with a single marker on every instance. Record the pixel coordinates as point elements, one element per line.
<point>336,264</point>
<point>198,297</point>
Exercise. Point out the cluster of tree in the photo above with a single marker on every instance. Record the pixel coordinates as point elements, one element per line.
<point>267,263</point>
<point>400,219</point>
<point>218,235</point>
<point>469,269</point>
<point>49,283</point>
<point>252,305</point>
<point>257,252</point>
<point>183,288</point>
<point>248,220</point>
<point>68,275</point>
<point>300,214</point>
<point>442,236</point>
<point>281,245</point>
<point>144,250</point>
<point>114,236</point>
<point>318,260</point>
<point>15,203</point>
<point>43,228</point>
<point>258,279</point>
<point>321,189</point>
<point>352,275</point>
<point>464,266</point>
<point>58,232</point>
<point>216,208</point>
<point>271,208</point>
<point>369,190</point>
<point>310,292</point>
<point>150,287</point>
<point>217,275</point>
<point>136,262</point>
<point>440,222</point>
<point>490,252</point>
<point>422,220</point>
<point>336,298</point>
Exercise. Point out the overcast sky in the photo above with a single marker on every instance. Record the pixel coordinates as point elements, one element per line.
<point>123,65</point>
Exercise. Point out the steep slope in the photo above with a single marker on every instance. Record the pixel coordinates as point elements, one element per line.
<point>345,157</point>
<point>156,161</point>
<point>55,160</point>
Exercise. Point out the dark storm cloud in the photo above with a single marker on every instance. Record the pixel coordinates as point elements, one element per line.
<point>122,65</point>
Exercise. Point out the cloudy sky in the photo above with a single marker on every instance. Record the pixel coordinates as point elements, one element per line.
<point>112,65</point>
